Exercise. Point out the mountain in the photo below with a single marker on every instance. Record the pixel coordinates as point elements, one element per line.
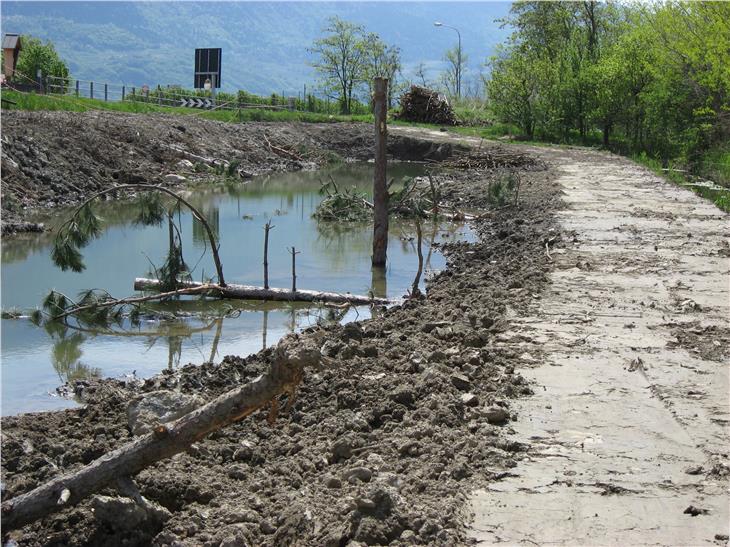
<point>264,43</point>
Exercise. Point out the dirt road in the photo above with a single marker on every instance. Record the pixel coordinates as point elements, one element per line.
<point>629,422</point>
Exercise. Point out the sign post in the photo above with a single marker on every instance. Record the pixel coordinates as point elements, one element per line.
<point>208,69</point>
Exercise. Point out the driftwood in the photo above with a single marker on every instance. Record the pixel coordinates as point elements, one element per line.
<point>250,292</point>
<point>291,357</point>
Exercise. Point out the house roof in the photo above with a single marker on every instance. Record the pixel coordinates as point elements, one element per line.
<point>11,41</point>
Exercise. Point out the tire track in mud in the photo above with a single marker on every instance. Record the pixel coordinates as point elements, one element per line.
<point>629,424</point>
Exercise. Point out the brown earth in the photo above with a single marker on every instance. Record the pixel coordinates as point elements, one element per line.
<point>595,313</point>
<point>381,448</point>
<point>51,159</point>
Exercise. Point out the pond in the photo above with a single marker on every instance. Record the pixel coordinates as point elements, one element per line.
<point>334,257</point>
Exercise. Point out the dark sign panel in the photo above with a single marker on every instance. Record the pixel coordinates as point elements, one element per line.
<point>207,65</point>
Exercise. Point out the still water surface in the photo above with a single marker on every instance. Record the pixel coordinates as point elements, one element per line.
<point>36,360</point>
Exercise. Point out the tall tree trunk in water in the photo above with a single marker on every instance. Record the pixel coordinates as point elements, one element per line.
<point>380,188</point>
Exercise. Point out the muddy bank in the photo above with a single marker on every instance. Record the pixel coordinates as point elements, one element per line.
<point>51,159</point>
<point>379,448</point>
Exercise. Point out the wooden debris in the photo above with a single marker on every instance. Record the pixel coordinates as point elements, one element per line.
<point>249,292</point>
<point>492,158</point>
<point>291,357</point>
<point>420,104</point>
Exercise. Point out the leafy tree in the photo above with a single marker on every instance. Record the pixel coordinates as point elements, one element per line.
<point>512,92</point>
<point>37,55</point>
<point>650,77</point>
<point>341,59</point>
<point>381,61</point>
<point>348,59</point>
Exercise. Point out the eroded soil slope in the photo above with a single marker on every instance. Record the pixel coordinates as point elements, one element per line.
<point>59,158</point>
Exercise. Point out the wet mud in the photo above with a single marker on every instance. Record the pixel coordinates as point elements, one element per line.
<point>381,447</point>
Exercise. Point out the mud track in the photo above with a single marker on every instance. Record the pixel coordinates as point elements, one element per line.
<point>629,433</point>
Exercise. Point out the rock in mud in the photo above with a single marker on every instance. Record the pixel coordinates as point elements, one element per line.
<point>496,415</point>
<point>460,382</point>
<point>694,511</point>
<point>332,482</point>
<point>123,514</point>
<point>120,513</point>
<point>341,450</point>
<point>352,331</point>
<point>376,521</point>
<point>358,473</point>
<point>469,399</point>
<point>159,407</point>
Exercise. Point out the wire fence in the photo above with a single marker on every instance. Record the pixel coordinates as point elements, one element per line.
<point>174,97</point>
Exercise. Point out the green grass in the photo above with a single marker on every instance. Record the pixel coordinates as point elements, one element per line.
<point>32,101</point>
<point>721,198</point>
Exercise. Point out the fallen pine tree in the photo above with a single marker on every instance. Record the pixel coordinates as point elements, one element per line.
<point>116,469</point>
<point>250,292</point>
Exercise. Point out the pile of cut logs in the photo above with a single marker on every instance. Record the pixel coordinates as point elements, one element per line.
<point>420,104</point>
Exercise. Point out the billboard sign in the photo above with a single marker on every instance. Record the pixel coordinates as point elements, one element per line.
<point>207,65</point>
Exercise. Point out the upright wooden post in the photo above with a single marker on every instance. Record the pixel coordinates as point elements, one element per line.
<point>267,228</point>
<point>77,88</point>
<point>91,90</point>
<point>380,187</point>
<point>123,92</point>
<point>106,92</point>
<point>294,254</point>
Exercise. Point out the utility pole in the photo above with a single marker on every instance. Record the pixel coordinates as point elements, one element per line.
<point>380,187</point>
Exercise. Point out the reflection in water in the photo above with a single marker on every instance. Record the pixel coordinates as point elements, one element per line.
<point>200,235</point>
<point>216,340</point>
<point>335,257</point>
<point>379,282</point>
<point>264,328</point>
<point>66,356</point>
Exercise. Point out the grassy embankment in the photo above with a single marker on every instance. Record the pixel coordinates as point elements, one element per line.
<point>32,101</point>
<point>713,165</point>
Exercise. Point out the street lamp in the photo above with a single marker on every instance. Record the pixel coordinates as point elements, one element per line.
<point>458,57</point>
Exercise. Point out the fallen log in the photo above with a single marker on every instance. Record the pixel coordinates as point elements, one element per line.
<point>291,357</point>
<point>250,292</point>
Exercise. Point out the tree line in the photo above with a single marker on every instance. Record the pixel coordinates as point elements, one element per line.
<point>348,58</point>
<point>652,77</point>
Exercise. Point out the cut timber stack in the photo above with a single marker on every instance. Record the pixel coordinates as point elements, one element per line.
<point>420,104</point>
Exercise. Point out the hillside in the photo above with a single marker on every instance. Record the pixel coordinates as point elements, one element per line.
<point>264,43</point>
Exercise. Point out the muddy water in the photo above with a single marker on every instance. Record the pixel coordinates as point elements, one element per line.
<point>36,360</point>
